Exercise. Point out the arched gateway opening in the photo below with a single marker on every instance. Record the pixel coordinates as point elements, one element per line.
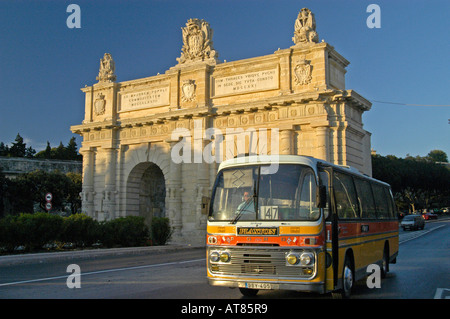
<point>146,192</point>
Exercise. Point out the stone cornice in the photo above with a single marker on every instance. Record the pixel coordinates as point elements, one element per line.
<point>354,99</point>
<point>93,126</point>
<point>218,110</point>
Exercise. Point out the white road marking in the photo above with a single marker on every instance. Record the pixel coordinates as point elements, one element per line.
<point>103,271</point>
<point>440,292</point>
<point>420,234</point>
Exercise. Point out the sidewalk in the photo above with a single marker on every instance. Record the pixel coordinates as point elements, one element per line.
<point>92,253</point>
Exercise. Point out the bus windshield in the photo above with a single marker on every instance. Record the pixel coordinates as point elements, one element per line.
<point>254,193</point>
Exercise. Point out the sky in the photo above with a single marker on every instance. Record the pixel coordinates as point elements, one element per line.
<point>402,67</point>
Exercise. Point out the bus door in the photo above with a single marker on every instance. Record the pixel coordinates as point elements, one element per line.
<point>332,230</point>
<point>345,224</point>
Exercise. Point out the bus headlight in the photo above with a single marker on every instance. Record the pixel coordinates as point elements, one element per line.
<point>307,259</point>
<point>214,256</point>
<point>292,258</point>
<point>225,256</point>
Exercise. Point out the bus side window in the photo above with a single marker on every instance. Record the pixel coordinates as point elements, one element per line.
<point>365,197</point>
<point>307,208</point>
<point>345,195</point>
<point>381,201</point>
<point>391,204</point>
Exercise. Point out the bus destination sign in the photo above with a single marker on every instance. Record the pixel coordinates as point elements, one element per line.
<point>257,231</point>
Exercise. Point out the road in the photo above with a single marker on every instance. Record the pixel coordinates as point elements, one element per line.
<point>422,271</point>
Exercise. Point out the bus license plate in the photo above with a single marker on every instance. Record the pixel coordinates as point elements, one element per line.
<point>256,285</point>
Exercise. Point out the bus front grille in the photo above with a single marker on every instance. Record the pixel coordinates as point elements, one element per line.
<point>257,261</point>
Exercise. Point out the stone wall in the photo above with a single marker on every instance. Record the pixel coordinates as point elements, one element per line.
<point>13,166</point>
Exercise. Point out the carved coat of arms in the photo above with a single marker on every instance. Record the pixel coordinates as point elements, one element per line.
<point>197,42</point>
<point>99,104</point>
<point>302,72</point>
<point>188,91</point>
<point>305,27</point>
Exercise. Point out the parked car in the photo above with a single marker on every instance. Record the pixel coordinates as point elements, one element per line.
<point>429,215</point>
<point>401,214</point>
<point>412,222</point>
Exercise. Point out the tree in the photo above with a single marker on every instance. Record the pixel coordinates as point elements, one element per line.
<point>48,151</point>
<point>28,190</point>
<point>438,156</point>
<point>18,148</point>
<point>73,192</point>
<point>4,149</point>
<point>416,182</point>
<point>71,150</point>
<point>3,188</point>
<point>60,152</point>
<point>29,152</point>
<point>19,194</point>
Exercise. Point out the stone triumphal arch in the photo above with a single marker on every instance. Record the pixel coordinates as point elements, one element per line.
<point>145,140</point>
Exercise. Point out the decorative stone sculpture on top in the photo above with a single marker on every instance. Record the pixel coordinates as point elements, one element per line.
<point>107,69</point>
<point>305,28</point>
<point>197,42</point>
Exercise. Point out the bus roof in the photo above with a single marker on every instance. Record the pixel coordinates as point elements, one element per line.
<point>269,159</point>
<point>291,159</point>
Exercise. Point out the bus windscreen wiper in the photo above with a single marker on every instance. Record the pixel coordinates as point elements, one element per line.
<point>253,200</point>
<point>242,210</point>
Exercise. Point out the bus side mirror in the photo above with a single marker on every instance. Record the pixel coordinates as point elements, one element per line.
<point>205,205</point>
<point>321,198</point>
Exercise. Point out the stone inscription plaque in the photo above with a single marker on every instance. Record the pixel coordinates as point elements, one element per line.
<point>245,83</point>
<point>144,99</point>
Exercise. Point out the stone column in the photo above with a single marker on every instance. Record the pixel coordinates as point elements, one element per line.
<point>87,193</point>
<point>109,193</point>
<point>173,195</point>
<point>322,143</point>
<point>286,142</point>
<point>202,183</point>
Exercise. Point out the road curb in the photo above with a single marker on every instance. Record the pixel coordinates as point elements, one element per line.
<point>92,253</point>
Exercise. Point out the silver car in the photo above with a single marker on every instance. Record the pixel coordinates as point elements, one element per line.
<point>412,222</point>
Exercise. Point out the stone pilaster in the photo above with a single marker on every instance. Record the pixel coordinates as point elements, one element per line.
<point>286,142</point>
<point>322,142</point>
<point>173,195</point>
<point>87,193</point>
<point>109,193</point>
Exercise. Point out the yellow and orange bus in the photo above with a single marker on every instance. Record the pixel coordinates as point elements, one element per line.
<point>297,223</point>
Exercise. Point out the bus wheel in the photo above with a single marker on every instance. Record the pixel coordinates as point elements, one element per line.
<point>348,279</point>
<point>248,292</point>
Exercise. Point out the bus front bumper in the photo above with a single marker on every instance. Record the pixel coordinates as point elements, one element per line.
<point>317,287</point>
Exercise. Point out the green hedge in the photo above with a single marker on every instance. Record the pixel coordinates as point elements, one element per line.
<point>29,230</point>
<point>34,231</point>
<point>124,231</point>
<point>161,230</point>
<point>80,230</point>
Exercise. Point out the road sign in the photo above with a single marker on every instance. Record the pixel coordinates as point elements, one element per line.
<point>48,206</point>
<point>48,197</point>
